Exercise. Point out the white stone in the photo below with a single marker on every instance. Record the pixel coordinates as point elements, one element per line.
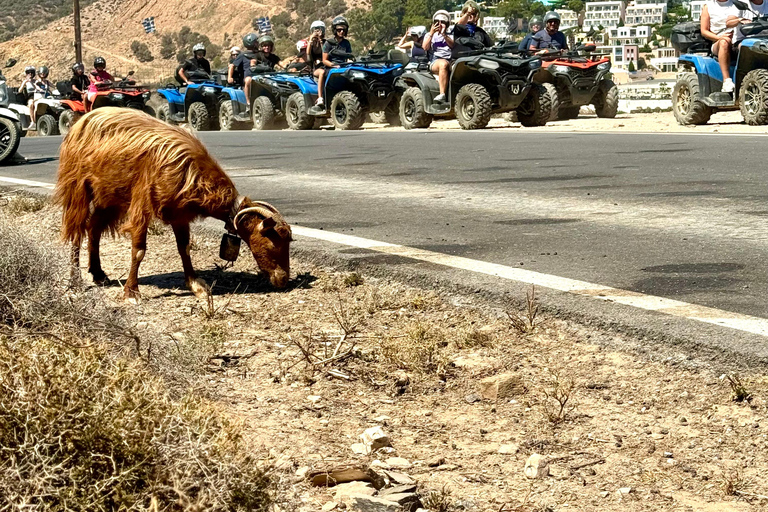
<point>375,438</point>
<point>536,466</point>
<point>508,449</point>
<point>345,491</point>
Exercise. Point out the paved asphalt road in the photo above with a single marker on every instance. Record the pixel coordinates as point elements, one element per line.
<point>674,215</point>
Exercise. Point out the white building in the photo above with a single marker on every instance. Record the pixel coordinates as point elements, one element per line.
<point>621,55</point>
<point>665,59</point>
<point>629,35</point>
<point>696,6</point>
<point>568,18</point>
<point>496,26</point>
<point>605,14</point>
<point>646,12</point>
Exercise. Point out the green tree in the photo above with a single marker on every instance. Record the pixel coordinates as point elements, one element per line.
<point>631,67</point>
<point>514,9</point>
<point>576,5</point>
<point>141,51</point>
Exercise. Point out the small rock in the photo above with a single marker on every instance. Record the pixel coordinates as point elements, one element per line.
<point>329,506</point>
<point>437,461</point>
<point>604,494</point>
<point>375,438</point>
<point>471,399</point>
<point>402,379</point>
<point>379,478</point>
<point>505,385</point>
<point>668,455</point>
<point>400,478</point>
<point>398,489</point>
<point>360,449</point>
<point>397,463</point>
<point>508,449</point>
<point>338,475</point>
<point>624,491</point>
<point>382,419</point>
<point>302,471</point>
<point>345,491</point>
<point>588,471</point>
<point>408,500</point>
<point>683,421</point>
<point>314,398</point>
<point>372,504</point>
<point>536,466</point>
<point>657,436</point>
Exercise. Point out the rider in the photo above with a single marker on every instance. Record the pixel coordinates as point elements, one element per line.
<point>265,56</point>
<point>44,86</point>
<point>315,45</point>
<point>330,58</point>
<point>239,72</point>
<point>100,76</point>
<point>757,8</point>
<point>298,61</point>
<point>411,43</point>
<point>534,25</point>
<point>233,53</point>
<point>28,87</point>
<point>466,27</point>
<point>439,44</point>
<point>718,21</point>
<point>194,67</point>
<point>550,37</point>
<point>79,82</point>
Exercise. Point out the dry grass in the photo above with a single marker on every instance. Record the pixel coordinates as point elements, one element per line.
<point>422,349</point>
<point>20,203</point>
<point>557,391</point>
<point>525,322</point>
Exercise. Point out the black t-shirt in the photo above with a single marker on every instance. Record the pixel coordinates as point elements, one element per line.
<point>315,53</point>
<point>242,64</point>
<point>342,45</point>
<point>81,82</point>
<point>472,32</point>
<point>192,65</point>
<point>270,59</point>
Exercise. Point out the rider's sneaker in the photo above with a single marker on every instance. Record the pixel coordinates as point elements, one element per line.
<point>440,98</point>
<point>32,127</point>
<point>728,85</point>
<point>316,110</point>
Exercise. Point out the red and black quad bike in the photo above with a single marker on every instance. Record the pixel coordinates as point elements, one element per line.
<point>578,77</point>
<point>124,93</point>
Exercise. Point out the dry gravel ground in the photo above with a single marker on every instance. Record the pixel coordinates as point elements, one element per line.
<point>671,432</point>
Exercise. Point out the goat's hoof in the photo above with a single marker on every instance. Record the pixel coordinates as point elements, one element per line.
<point>199,288</point>
<point>100,279</point>
<point>132,296</point>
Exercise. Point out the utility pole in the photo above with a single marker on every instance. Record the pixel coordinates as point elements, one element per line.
<point>78,39</point>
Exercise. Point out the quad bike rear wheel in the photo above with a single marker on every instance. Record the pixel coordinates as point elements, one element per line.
<point>163,113</point>
<point>296,114</point>
<point>412,112</point>
<point>263,113</point>
<point>149,111</point>
<point>536,108</point>
<point>473,107</point>
<point>47,125</point>
<point>606,100</point>
<point>227,119</point>
<point>753,97</point>
<point>67,120</point>
<point>554,100</point>
<point>198,117</point>
<point>686,101</point>
<point>10,137</point>
<point>346,111</point>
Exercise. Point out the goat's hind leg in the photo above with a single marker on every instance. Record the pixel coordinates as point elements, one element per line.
<point>139,243</point>
<point>99,221</point>
<point>75,278</point>
<point>194,283</point>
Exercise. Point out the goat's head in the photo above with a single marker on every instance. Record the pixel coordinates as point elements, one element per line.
<point>268,236</point>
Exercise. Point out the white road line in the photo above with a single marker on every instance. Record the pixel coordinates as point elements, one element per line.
<point>737,321</point>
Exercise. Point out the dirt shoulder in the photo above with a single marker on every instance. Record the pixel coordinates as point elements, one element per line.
<point>309,369</point>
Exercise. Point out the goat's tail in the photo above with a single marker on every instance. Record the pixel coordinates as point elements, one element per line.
<point>72,190</point>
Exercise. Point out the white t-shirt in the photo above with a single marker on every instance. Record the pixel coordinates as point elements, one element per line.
<point>761,10</point>
<point>719,13</point>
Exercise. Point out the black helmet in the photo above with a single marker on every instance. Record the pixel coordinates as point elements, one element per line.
<point>340,21</point>
<point>266,38</point>
<point>77,66</point>
<point>199,47</point>
<point>535,20</point>
<point>29,69</point>
<point>99,61</point>
<point>42,71</point>
<point>551,15</point>
<point>249,40</point>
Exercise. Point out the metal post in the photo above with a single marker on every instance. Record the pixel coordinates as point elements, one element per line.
<point>78,40</point>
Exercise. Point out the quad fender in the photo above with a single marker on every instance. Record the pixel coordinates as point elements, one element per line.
<point>8,113</point>
<point>422,80</point>
<point>75,106</point>
<point>171,96</point>
<point>239,105</point>
<point>708,71</point>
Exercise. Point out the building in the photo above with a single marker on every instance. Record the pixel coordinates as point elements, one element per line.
<point>665,59</point>
<point>696,6</point>
<point>629,35</point>
<point>569,18</point>
<point>621,55</point>
<point>603,14</point>
<point>496,26</point>
<point>646,12</point>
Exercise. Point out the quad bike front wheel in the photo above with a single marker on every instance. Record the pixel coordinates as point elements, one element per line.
<point>163,113</point>
<point>10,137</point>
<point>473,107</point>
<point>412,112</point>
<point>47,125</point>
<point>227,119</point>
<point>346,111</point>
<point>263,112</point>
<point>554,100</point>
<point>686,101</point>
<point>536,108</point>
<point>198,117</point>
<point>296,114</point>
<point>753,97</point>
<point>67,120</point>
<point>606,100</point>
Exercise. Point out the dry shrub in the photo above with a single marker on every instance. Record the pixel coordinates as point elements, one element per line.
<point>558,397</point>
<point>82,430</point>
<point>421,349</point>
<point>21,203</point>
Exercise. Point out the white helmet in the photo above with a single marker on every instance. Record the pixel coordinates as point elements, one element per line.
<point>234,50</point>
<point>319,24</point>
<point>442,15</point>
<point>418,31</point>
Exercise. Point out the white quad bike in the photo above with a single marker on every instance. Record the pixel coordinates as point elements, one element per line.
<point>11,131</point>
<point>47,112</point>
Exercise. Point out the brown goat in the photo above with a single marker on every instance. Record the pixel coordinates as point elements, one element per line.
<point>120,168</point>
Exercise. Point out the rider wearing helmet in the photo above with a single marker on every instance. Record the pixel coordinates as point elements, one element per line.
<point>439,44</point>
<point>43,85</point>
<point>196,68</point>
<point>28,88</point>
<point>550,36</point>
<point>334,51</point>
<point>234,52</point>
<point>534,25</point>
<point>79,82</point>
<point>316,41</point>
<point>100,76</point>
<point>411,42</point>
<point>239,72</point>
<point>265,57</point>
<point>466,32</point>
<point>298,61</point>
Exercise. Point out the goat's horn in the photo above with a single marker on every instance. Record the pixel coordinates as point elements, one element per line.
<point>265,205</point>
<point>253,209</point>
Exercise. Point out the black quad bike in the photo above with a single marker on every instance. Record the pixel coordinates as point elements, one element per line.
<point>482,82</point>
<point>576,78</point>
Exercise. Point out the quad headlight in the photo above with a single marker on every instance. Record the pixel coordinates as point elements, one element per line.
<point>360,75</point>
<point>488,64</point>
<point>117,96</point>
<point>534,64</point>
<point>605,66</point>
<point>559,69</point>
<point>146,95</point>
<point>209,90</point>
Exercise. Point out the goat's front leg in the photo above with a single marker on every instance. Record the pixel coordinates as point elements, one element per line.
<point>194,283</point>
<point>139,243</point>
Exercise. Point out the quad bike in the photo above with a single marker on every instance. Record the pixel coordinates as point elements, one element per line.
<point>206,104</point>
<point>124,93</point>
<point>47,111</point>
<point>576,78</point>
<point>482,82</point>
<point>275,96</point>
<point>698,91</point>
<point>10,125</point>
<point>356,88</point>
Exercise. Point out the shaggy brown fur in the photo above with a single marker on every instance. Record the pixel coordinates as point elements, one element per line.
<point>120,168</point>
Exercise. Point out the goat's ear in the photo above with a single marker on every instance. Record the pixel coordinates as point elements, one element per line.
<point>267,224</point>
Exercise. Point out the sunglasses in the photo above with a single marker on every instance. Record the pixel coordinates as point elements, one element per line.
<point>342,29</point>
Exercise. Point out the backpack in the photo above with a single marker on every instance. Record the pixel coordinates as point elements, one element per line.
<point>687,38</point>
